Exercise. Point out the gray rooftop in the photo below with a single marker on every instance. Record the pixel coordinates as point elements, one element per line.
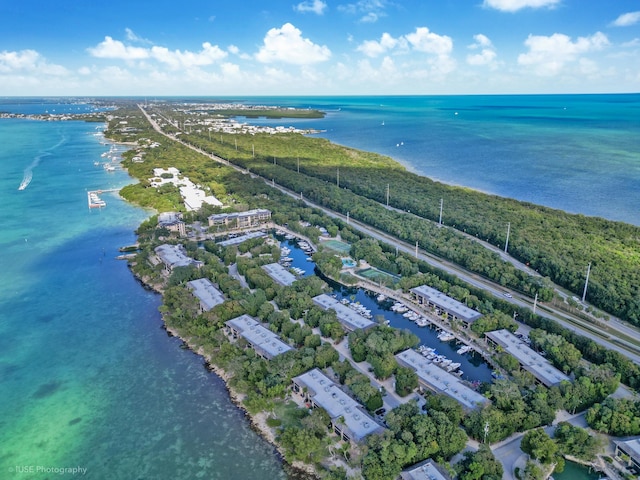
<point>261,339</point>
<point>204,291</point>
<point>348,317</point>
<point>256,212</point>
<point>631,447</point>
<point>169,218</point>
<point>440,380</point>
<point>174,256</point>
<point>426,470</point>
<point>241,238</point>
<point>531,361</point>
<point>337,403</point>
<point>446,303</point>
<point>279,274</point>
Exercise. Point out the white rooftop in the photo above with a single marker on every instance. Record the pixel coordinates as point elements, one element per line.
<point>531,361</point>
<point>261,339</point>
<point>440,380</point>
<point>193,196</point>
<point>279,274</point>
<point>242,238</point>
<point>426,470</point>
<point>337,403</point>
<point>204,291</point>
<point>347,316</point>
<point>174,256</point>
<point>447,303</point>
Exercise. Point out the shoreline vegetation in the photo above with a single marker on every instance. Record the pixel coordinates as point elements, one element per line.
<point>337,177</point>
<point>227,184</point>
<point>377,190</point>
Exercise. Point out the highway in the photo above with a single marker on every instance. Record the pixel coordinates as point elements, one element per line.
<point>610,340</point>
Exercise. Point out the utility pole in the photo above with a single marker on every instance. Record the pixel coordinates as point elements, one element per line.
<point>416,249</point>
<point>506,244</point>
<point>387,194</point>
<point>440,221</point>
<point>586,282</point>
<point>535,304</point>
<point>486,431</point>
<point>253,150</point>
<point>298,164</point>
<point>347,218</point>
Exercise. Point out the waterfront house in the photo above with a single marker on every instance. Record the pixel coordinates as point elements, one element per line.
<point>444,305</point>
<point>438,380</point>
<point>265,343</point>
<point>349,318</point>
<point>279,274</point>
<point>349,419</point>
<point>250,218</point>
<point>172,221</point>
<point>173,256</point>
<point>207,294</point>
<point>629,452</point>
<point>528,359</point>
<point>426,470</point>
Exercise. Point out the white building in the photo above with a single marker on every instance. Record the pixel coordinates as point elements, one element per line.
<point>206,293</point>
<point>349,419</point>
<point>266,343</point>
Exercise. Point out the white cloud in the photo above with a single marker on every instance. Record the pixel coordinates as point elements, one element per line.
<point>371,10</point>
<point>287,45</point>
<point>487,54</point>
<point>132,37</point>
<point>549,55</point>
<point>313,6</point>
<point>115,49</point>
<point>110,48</point>
<point>437,47</point>
<point>481,41</point>
<point>178,59</point>
<point>422,40</point>
<point>627,19</point>
<point>515,5</point>
<point>28,61</point>
<point>374,48</point>
<point>233,49</point>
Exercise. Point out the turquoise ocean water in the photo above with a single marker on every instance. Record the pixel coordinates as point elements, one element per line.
<point>87,376</point>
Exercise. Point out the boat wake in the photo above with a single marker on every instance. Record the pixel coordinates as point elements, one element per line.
<point>28,172</point>
<point>26,180</point>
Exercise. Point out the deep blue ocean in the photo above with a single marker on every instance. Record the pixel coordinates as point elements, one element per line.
<point>578,153</point>
<point>89,379</point>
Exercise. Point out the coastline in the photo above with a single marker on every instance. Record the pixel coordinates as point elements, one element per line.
<point>258,422</point>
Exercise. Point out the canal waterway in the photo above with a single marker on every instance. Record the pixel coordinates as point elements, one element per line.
<point>474,368</point>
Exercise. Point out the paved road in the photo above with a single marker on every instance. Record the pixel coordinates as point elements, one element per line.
<point>568,321</point>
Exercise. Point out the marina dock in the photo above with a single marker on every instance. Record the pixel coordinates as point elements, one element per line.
<point>94,200</point>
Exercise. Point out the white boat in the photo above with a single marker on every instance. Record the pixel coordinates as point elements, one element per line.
<point>422,322</point>
<point>381,298</point>
<point>446,336</point>
<point>464,349</point>
<point>453,366</point>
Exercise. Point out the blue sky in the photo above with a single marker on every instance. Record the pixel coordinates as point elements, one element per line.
<point>318,47</point>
